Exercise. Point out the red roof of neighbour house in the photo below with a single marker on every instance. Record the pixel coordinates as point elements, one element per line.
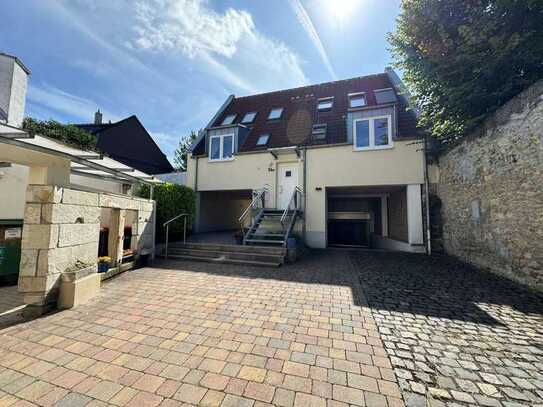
<point>300,113</point>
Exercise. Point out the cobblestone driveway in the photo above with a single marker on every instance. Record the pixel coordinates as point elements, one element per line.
<point>457,335</point>
<point>215,335</point>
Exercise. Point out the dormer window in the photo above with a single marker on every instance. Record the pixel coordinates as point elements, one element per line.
<point>275,113</point>
<point>325,103</point>
<point>372,133</point>
<point>228,120</point>
<point>263,140</point>
<point>249,117</point>
<point>357,100</point>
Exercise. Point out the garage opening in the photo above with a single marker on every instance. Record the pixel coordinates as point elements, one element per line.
<point>367,217</point>
<point>219,212</point>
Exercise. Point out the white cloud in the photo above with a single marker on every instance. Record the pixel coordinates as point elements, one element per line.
<point>63,102</point>
<point>307,24</point>
<point>226,45</point>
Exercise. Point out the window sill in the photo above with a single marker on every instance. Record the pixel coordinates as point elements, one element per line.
<point>373,148</point>
<point>220,160</point>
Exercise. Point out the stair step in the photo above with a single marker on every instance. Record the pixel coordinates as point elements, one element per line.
<point>268,234</point>
<point>230,248</point>
<point>262,241</point>
<point>225,260</point>
<point>273,258</point>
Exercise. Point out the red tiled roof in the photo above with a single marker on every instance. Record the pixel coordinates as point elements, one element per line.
<point>300,112</point>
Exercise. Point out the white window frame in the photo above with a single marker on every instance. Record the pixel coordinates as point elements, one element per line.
<point>221,147</point>
<point>243,121</point>
<point>325,100</point>
<point>371,125</point>
<point>280,114</point>
<point>354,95</point>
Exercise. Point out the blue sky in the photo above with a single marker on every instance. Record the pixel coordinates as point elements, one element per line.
<point>174,62</point>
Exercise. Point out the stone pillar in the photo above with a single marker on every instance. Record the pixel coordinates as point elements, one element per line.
<point>414,215</point>
<point>60,234</point>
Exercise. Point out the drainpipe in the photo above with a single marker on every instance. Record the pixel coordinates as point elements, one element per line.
<point>305,193</point>
<point>427,197</point>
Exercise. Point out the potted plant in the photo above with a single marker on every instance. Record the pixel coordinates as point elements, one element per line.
<point>103,264</point>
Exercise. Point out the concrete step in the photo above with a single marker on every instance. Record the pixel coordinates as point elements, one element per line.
<point>231,248</point>
<point>259,257</point>
<point>266,242</point>
<point>224,260</point>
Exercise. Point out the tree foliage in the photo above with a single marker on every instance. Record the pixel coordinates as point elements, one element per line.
<point>180,154</point>
<point>462,59</point>
<point>65,133</point>
<point>171,200</point>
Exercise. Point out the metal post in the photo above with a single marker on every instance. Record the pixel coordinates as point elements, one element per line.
<point>185,230</point>
<point>166,251</point>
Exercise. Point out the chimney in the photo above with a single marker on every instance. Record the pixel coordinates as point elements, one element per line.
<point>13,85</point>
<point>98,117</point>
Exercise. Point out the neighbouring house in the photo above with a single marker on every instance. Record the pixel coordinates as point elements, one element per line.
<point>335,164</point>
<point>129,142</point>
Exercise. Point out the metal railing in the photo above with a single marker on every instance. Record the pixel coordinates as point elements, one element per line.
<point>293,198</point>
<point>259,195</point>
<point>167,226</point>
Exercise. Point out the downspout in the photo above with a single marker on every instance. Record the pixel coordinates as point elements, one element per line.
<point>427,197</point>
<point>305,194</point>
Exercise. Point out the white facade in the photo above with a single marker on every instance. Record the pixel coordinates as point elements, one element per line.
<point>13,85</point>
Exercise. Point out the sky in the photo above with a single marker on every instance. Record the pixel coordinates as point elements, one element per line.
<point>173,63</point>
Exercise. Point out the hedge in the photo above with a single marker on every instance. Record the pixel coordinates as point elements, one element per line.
<point>171,200</point>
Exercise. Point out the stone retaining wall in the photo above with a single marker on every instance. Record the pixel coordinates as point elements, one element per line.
<point>491,191</point>
<point>61,232</point>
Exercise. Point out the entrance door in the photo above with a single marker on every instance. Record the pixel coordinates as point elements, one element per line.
<point>287,180</point>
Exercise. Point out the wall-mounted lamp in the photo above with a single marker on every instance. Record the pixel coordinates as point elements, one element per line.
<point>318,189</point>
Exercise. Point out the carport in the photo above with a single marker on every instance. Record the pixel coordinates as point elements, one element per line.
<point>219,211</point>
<point>372,217</point>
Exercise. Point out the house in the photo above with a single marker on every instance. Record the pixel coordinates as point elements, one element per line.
<point>335,164</point>
<point>128,141</point>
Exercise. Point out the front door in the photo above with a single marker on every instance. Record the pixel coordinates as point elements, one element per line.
<point>287,180</point>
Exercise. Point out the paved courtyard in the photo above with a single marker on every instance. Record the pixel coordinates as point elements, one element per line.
<point>336,329</point>
<point>214,335</point>
<point>453,334</point>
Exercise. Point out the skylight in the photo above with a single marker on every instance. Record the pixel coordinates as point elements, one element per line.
<point>228,119</point>
<point>275,113</point>
<point>385,96</point>
<point>357,100</point>
<point>249,117</point>
<point>325,103</point>
<point>263,140</point>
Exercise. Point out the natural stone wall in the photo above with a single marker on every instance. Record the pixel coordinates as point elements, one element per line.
<point>61,232</point>
<point>491,192</point>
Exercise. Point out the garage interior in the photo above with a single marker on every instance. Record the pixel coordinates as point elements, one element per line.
<point>367,217</point>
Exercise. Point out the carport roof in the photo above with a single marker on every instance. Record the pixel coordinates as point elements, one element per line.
<point>86,163</point>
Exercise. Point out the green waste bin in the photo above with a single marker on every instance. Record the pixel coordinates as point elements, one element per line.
<point>10,251</point>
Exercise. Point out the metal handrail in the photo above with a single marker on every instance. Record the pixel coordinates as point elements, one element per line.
<point>167,226</point>
<point>295,192</point>
<point>255,199</point>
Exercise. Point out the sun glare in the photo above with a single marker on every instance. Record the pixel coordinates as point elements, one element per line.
<point>341,10</point>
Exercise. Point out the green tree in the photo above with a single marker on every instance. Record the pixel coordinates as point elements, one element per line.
<point>65,133</point>
<point>462,59</point>
<point>180,154</point>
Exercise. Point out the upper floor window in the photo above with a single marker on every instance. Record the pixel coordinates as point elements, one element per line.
<point>221,147</point>
<point>228,119</point>
<point>325,103</point>
<point>319,132</point>
<point>263,140</point>
<point>249,117</point>
<point>275,113</point>
<point>357,100</point>
<point>372,133</point>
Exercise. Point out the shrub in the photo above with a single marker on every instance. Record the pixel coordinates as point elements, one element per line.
<point>171,200</point>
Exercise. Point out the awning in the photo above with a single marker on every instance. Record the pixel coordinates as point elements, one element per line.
<point>86,163</point>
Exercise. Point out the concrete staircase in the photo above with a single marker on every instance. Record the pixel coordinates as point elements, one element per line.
<point>228,254</point>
